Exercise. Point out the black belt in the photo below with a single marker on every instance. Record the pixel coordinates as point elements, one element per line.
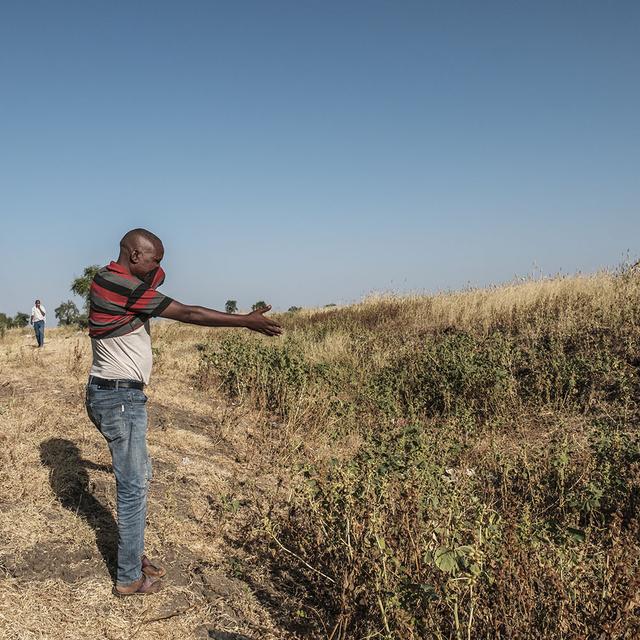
<point>116,384</point>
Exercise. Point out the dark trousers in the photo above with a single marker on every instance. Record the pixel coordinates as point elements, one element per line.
<point>38,327</point>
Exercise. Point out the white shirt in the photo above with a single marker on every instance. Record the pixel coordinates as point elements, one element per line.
<point>38,314</point>
<point>127,357</point>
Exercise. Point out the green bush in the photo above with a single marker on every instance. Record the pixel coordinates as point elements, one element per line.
<point>482,482</point>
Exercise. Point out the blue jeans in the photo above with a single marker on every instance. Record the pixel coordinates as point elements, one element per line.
<point>38,327</point>
<point>121,417</point>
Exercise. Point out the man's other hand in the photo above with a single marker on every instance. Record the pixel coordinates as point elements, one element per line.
<point>257,321</point>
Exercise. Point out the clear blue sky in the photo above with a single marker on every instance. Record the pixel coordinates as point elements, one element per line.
<point>312,152</point>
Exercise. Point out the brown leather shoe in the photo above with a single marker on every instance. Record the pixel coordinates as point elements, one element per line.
<point>142,587</point>
<point>152,570</point>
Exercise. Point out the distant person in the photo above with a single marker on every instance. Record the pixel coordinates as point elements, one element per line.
<point>38,313</point>
<point>123,297</point>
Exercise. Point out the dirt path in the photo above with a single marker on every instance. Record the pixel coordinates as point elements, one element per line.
<point>57,505</point>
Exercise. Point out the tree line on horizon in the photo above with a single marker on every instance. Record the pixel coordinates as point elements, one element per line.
<point>231,306</point>
<point>19,320</point>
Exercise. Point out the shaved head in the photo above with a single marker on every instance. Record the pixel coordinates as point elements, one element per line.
<point>139,239</point>
<point>141,253</point>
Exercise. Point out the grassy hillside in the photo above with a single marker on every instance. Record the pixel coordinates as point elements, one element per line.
<point>457,466</point>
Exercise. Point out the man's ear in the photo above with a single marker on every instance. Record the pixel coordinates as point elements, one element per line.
<point>134,256</point>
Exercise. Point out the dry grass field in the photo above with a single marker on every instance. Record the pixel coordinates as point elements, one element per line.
<point>464,465</point>
<point>57,503</point>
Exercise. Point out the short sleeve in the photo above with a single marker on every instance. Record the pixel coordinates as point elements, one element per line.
<point>146,301</point>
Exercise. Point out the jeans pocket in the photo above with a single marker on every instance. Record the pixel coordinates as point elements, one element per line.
<point>108,414</point>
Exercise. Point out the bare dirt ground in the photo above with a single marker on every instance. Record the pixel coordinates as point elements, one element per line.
<point>57,504</point>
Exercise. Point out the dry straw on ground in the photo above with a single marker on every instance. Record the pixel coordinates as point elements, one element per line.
<point>57,504</point>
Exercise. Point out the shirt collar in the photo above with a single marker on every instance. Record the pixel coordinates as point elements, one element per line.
<point>118,268</point>
<point>157,280</point>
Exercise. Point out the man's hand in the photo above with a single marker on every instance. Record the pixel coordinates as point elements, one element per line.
<point>257,321</point>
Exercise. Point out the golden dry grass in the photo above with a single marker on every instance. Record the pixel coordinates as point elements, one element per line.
<point>479,310</point>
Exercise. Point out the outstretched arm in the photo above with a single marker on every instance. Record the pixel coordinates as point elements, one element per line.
<point>192,314</point>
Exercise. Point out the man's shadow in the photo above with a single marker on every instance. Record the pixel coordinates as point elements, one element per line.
<point>70,482</point>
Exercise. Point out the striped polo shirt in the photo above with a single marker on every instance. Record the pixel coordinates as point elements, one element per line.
<point>121,303</point>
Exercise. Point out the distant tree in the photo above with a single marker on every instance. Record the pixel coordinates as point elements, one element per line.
<point>21,319</point>
<point>82,285</point>
<point>67,313</point>
<point>331,304</point>
<point>258,305</point>
<point>293,309</point>
<point>231,306</point>
<point>5,320</point>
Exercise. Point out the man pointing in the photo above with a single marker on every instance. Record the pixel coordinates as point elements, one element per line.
<point>122,299</point>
